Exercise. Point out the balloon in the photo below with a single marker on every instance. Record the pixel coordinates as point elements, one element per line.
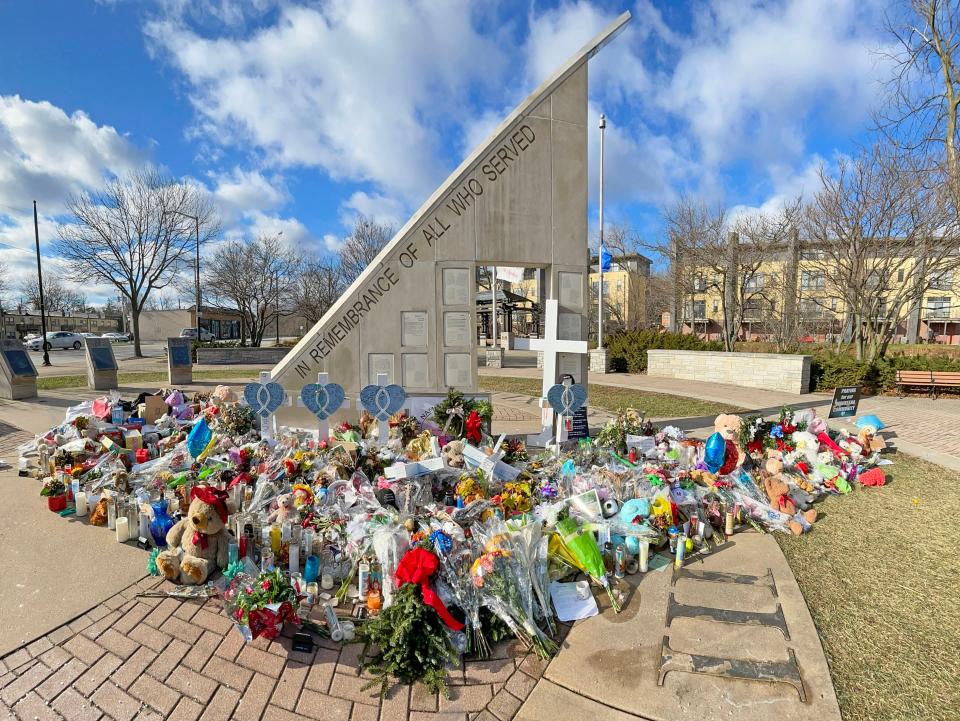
<point>714,452</point>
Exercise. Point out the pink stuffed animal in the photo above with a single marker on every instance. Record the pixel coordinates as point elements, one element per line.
<point>285,509</point>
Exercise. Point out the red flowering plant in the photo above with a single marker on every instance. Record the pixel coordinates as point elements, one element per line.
<point>260,606</point>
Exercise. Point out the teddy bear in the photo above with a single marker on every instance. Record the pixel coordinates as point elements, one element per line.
<point>778,491</point>
<point>453,454</point>
<point>285,510</point>
<point>728,426</point>
<point>200,536</point>
<point>634,512</point>
<point>871,442</point>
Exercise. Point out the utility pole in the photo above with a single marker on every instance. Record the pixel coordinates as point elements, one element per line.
<point>603,127</point>
<point>196,220</point>
<point>43,315</point>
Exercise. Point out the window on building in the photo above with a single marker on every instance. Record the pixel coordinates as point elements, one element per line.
<point>938,306</point>
<point>810,308</point>
<point>620,285</point>
<point>753,283</point>
<point>812,255</point>
<point>900,275</point>
<point>699,284</point>
<point>833,304</point>
<point>943,280</point>
<point>699,309</point>
<point>716,306</point>
<point>811,280</point>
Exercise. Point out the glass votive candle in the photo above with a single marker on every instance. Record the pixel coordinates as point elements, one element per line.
<point>311,569</point>
<point>374,601</point>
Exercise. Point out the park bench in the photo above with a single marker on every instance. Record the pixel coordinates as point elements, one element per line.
<point>914,378</point>
<point>933,380</point>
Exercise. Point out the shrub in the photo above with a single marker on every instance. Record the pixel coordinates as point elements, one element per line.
<point>827,371</point>
<point>628,349</point>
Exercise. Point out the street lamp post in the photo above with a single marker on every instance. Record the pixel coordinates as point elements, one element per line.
<point>603,127</point>
<point>43,315</point>
<point>196,220</point>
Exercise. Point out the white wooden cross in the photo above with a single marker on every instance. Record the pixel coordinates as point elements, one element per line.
<point>418,468</point>
<point>492,464</point>
<point>552,347</point>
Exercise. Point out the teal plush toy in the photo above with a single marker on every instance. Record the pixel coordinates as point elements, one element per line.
<point>634,512</point>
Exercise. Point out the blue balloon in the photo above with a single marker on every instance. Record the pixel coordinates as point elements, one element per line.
<point>714,452</point>
<point>199,437</point>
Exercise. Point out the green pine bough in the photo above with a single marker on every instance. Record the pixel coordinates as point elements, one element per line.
<point>411,642</point>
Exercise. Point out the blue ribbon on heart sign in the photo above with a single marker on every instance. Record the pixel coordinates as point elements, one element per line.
<point>382,401</point>
<point>567,400</point>
<point>264,398</point>
<point>322,400</point>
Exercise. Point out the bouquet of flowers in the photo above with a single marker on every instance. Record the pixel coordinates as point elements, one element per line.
<point>580,545</point>
<point>627,421</point>
<point>259,606</point>
<point>505,589</point>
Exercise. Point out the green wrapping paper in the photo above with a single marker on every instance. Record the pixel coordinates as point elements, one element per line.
<point>583,546</point>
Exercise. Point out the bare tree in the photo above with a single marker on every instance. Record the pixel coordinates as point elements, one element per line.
<point>318,286</point>
<point>921,112</point>
<point>881,230</point>
<point>57,295</point>
<point>626,306</point>
<point>259,278</point>
<point>136,234</point>
<point>366,240</point>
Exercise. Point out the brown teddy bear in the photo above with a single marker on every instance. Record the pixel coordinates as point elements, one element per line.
<point>200,536</point>
<point>728,426</point>
<point>453,454</point>
<point>778,491</point>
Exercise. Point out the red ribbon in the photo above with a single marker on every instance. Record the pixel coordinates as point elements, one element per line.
<point>212,496</point>
<point>200,539</point>
<point>473,427</point>
<point>828,442</point>
<point>418,566</point>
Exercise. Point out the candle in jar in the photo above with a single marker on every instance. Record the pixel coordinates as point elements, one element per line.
<point>644,556</point>
<point>111,513</point>
<point>681,550</point>
<point>123,533</point>
<point>728,524</point>
<point>374,601</point>
<point>294,558</point>
<point>326,581</point>
<point>81,501</point>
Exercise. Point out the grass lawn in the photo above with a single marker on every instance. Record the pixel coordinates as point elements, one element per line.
<point>656,405</point>
<point>881,576</point>
<point>79,381</point>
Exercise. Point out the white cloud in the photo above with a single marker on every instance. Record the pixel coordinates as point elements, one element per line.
<point>355,88</point>
<point>383,209</point>
<point>333,243</point>
<point>749,76</point>
<point>239,193</point>
<point>45,154</point>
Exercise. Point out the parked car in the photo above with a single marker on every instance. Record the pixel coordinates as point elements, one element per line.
<point>29,337</point>
<point>89,335</point>
<point>58,339</point>
<point>117,337</point>
<point>205,335</point>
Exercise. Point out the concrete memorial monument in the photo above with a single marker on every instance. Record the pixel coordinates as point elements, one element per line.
<point>18,375</point>
<point>519,200</point>
<point>101,365</point>
<point>179,361</point>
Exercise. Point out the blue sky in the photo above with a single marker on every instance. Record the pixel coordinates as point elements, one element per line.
<point>298,115</point>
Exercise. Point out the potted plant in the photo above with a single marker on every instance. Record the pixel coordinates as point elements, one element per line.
<point>56,493</point>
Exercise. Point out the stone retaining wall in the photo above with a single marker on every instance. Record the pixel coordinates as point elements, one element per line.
<point>771,371</point>
<point>240,356</point>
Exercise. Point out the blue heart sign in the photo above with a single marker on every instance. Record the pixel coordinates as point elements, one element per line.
<point>264,398</point>
<point>323,400</point>
<point>567,400</point>
<point>382,401</point>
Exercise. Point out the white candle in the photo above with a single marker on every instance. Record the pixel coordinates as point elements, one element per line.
<point>294,558</point>
<point>326,581</point>
<point>81,501</point>
<point>145,525</point>
<point>644,556</point>
<point>123,533</point>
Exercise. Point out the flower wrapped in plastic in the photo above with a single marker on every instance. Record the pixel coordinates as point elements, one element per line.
<point>456,559</point>
<point>579,544</point>
<point>505,587</point>
<point>259,606</point>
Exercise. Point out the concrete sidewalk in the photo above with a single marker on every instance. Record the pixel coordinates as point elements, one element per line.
<point>928,429</point>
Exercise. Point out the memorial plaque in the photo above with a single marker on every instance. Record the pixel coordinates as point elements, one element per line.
<point>18,376</point>
<point>101,364</point>
<point>571,289</point>
<point>568,326</point>
<point>415,372</point>
<point>456,370</point>
<point>179,361</point>
<point>413,328</point>
<point>569,364</point>
<point>378,363</point>
<point>456,328</point>
<point>456,286</point>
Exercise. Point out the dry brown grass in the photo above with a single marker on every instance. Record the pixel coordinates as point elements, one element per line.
<point>881,575</point>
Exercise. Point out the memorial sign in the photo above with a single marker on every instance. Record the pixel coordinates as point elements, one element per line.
<point>179,361</point>
<point>18,376</point>
<point>845,401</point>
<point>519,200</point>
<point>101,364</point>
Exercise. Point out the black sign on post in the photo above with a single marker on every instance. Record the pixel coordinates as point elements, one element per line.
<point>845,402</point>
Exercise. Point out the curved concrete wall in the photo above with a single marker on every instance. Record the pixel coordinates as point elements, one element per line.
<point>771,371</point>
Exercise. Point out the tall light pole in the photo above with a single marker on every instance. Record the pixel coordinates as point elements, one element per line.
<point>603,127</point>
<point>196,220</point>
<point>43,315</point>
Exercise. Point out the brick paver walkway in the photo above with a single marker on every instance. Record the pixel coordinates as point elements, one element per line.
<point>146,659</point>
